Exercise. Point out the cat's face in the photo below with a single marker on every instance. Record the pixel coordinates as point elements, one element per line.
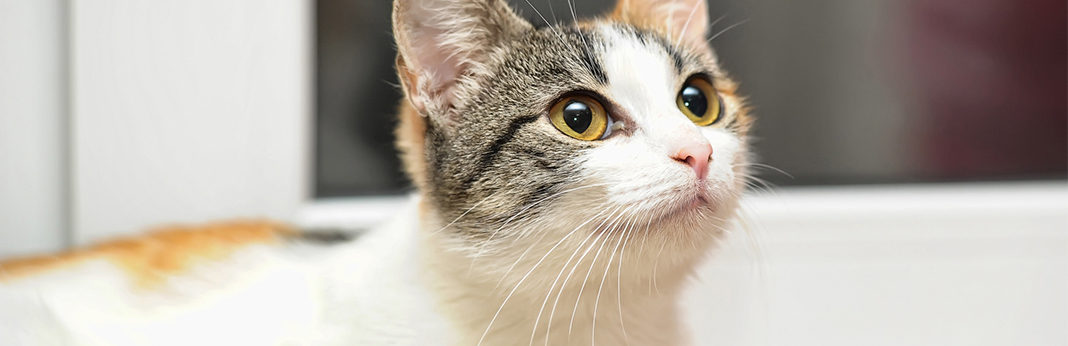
<point>529,136</point>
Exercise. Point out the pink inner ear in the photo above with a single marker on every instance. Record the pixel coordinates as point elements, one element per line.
<point>440,37</point>
<point>435,65</point>
<point>441,41</point>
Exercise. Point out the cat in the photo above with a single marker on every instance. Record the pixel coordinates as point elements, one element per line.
<point>569,179</point>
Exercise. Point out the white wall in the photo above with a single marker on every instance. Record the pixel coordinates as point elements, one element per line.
<point>32,126</point>
<point>188,111</point>
<point>149,112</point>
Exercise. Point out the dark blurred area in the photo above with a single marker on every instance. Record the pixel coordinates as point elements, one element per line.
<point>355,99</point>
<point>990,79</point>
<point>846,91</point>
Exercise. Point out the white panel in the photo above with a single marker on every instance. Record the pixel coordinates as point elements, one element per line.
<point>942,264</point>
<point>188,111</point>
<point>32,102</point>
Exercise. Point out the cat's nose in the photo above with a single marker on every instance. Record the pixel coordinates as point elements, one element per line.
<point>696,155</point>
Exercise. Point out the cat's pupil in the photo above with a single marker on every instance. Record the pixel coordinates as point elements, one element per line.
<point>695,101</point>
<point>578,116</point>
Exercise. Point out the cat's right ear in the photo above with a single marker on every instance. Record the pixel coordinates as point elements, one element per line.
<point>685,21</point>
<point>442,43</point>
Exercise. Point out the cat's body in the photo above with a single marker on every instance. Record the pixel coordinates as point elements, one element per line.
<point>282,290</point>
<point>570,178</point>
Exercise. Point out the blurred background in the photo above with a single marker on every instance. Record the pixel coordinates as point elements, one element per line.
<point>847,91</point>
<point>918,147</point>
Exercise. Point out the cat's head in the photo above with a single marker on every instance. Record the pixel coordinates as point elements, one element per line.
<point>525,136</point>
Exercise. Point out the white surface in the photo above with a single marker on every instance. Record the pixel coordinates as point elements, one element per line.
<point>350,213</point>
<point>948,264</point>
<point>32,151</point>
<point>188,110</point>
<point>900,265</point>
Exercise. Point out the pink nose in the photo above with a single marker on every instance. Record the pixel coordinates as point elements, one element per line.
<point>696,155</point>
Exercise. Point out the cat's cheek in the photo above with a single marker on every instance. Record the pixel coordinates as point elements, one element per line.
<point>728,155</point>
<point>635,172</point>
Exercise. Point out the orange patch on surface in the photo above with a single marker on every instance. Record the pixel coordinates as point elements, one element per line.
<point>161,253</point>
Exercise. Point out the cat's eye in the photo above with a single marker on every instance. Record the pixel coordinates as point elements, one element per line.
<point>580,116</point>
<point>699,101</point>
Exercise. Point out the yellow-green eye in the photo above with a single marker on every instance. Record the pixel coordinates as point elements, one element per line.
<point>699,101</point>
<point>579,116</point>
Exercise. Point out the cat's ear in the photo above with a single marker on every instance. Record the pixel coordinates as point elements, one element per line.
<point>686,21</point>
<point>441,43</point>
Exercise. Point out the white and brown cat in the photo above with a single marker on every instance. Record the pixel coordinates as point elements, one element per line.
<point>562,170</point>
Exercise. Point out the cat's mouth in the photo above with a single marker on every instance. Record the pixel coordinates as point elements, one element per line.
<point>688,207</point>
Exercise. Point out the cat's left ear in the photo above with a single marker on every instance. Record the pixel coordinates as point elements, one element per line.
<point>686,21</point>
<point>441,43</point>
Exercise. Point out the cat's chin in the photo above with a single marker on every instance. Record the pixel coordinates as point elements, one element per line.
<point>686,210</point>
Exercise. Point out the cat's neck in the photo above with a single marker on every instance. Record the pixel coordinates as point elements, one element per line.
<point>526,303</point>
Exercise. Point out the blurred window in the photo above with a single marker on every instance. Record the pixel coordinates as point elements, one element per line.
<point>846,91</point>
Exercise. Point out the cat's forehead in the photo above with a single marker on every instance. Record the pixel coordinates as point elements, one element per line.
<point>615,60</point>
<point>643,70</point>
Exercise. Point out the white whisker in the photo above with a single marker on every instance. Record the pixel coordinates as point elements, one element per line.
<point>524,278</point>
<point>718,19</point>
<point>539,13</point>
<point>656,265</point>
<point>534,204</point>
<point>563,268</point>
<point>619,276</point>
<point>487,242</point>
<point>597,301</point>
<point>721,32</point>
<point>574,267</point>
<point>566,279</point>
<point>462,215</point>
<point>571,325</point>
<point>575,20</point>
<point>678,40</point>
